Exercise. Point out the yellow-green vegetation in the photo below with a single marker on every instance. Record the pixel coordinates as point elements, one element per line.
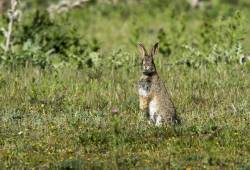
<point>68,87</point>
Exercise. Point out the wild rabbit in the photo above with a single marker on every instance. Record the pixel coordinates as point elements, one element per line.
<point>154,99</point>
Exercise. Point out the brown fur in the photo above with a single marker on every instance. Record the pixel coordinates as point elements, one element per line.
<point>154,90</point>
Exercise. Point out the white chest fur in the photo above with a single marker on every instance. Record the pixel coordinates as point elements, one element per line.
<point>143,92</point>
<point>144,87</point>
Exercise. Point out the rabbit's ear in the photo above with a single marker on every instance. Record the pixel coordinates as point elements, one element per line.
<point>142,50</point>
<point>154,49</point>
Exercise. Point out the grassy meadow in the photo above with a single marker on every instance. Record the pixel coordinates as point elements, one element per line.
<point>68,86</point>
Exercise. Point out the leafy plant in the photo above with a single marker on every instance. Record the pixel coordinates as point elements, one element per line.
<point>38,41</point>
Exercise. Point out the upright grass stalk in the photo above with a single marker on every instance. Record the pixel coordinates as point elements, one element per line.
<point>13,14</point>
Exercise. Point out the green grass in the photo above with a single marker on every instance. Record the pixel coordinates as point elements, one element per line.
<point>48,119</point>
<point>68,118</point>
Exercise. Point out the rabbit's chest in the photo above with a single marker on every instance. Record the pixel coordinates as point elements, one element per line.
<point>144,92</point>
<point>144,88</point>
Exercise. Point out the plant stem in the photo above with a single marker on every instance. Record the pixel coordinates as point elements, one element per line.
<point>12,16</point>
